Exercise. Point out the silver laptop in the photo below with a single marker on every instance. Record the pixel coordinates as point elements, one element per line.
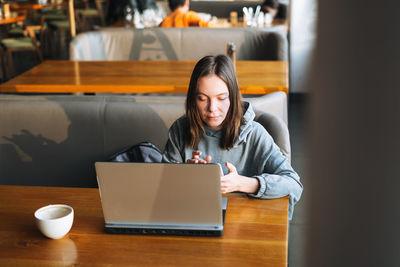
<point>161,198</point>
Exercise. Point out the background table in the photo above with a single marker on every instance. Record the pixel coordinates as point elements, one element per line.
<point>34,5</point>
<point>27,6</point>
<point>225,23</point>
<point>14,17</point>
<point>256,234</point>
<point>255,77</point>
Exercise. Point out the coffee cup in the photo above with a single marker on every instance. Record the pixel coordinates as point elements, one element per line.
<point>268,19</point>
<point>55,221</point>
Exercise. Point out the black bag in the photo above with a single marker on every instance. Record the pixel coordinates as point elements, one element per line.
<point>142,152</point>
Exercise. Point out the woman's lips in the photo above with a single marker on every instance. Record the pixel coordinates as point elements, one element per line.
<point>213,117</point>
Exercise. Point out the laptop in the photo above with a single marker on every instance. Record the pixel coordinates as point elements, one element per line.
<point>161,198</point>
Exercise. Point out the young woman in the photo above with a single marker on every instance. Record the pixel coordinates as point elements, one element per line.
<point>271,7</point>
<point>219,128</point>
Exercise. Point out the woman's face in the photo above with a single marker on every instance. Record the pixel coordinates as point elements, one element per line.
<point>270,10</point>
<point>212,100</point>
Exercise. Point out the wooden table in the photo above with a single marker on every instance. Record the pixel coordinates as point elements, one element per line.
<point>33,5</point>
<point>225,23</point>
<point>27,6</point>
<point>255,77</point>
<point>220,23</point>
<point>14,17</point>
<point>256,234</point>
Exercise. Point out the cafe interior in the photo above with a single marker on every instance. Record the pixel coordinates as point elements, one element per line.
<point>82,80</point>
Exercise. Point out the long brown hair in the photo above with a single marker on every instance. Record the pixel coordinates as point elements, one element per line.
<point>222,67</point>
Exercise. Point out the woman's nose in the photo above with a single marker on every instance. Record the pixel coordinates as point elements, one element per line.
<point>212,106</point>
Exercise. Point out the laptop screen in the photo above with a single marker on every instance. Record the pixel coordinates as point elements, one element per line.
<point>160,195</point>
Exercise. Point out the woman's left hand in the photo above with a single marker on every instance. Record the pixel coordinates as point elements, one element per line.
<point>235,182</point>
<point>196,158</point>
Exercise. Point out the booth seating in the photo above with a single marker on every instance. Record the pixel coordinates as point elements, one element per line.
<point>179,43</point>
<point>186,44</point>
<point>55,140</point>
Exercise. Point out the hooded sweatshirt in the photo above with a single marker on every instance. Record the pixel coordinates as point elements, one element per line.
<point>254,154</point>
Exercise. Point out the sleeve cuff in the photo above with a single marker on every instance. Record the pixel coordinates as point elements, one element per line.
<point>262,189</point>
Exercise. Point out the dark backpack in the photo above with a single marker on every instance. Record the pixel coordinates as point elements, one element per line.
<point>142,152</point>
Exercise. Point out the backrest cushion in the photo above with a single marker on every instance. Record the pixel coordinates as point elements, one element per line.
<point>55,140</point>
<point>179,43</point>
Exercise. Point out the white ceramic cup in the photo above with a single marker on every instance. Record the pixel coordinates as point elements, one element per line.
<point>268,19</point>
<point>55,221</point>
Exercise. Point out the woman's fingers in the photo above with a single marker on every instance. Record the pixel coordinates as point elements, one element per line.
<point>196,158</point>
<point>196,154</point>
<point>195,161</point>
<point>230,166</point>
<point>226,184</point>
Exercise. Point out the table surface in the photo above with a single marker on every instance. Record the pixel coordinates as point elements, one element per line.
<point>254,77</point>
<point>33,5</point>
<point>221,23</point>
<point>256,233</point>
<point>14,17</point>
<point>225,23</point>
<point>27,5</point>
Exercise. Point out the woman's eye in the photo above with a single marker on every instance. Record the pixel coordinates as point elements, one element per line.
<point>222,98</point>
<point>200,98</point>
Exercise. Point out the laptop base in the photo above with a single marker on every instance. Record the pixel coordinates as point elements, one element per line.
<point>152,231</point>
<point>180,232</point>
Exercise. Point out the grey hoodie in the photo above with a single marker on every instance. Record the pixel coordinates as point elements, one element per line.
<point>254,154</point>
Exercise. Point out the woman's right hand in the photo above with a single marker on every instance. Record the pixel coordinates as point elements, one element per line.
<point>196,158</point>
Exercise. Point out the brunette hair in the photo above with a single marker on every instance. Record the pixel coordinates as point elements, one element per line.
<point>174,4</point>
<point>223,67</point>
<point>271,3</point>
